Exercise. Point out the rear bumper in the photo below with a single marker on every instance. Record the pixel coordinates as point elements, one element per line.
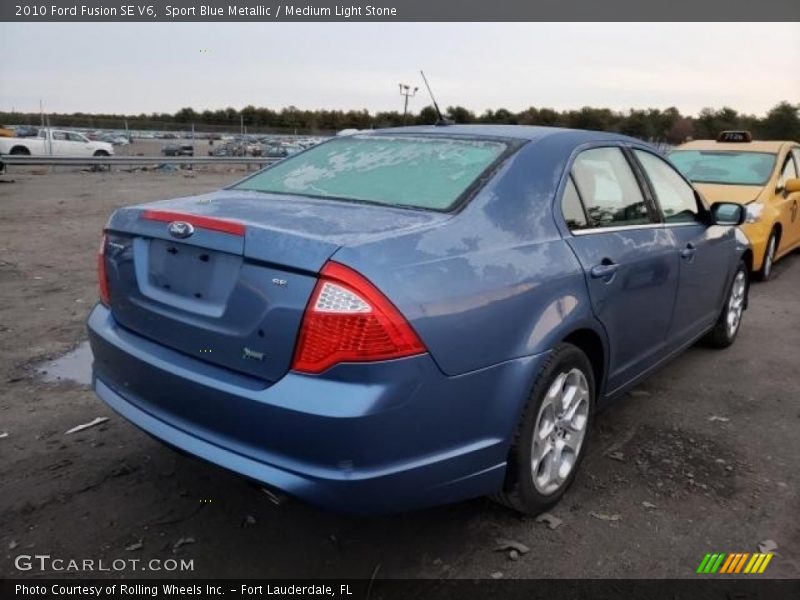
<point>361,439</point>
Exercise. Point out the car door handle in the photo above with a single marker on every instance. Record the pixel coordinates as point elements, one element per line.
<point>604,270</point>
<point>688,252</point>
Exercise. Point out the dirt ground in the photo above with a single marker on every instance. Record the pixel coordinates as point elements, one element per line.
<point>703,457</point>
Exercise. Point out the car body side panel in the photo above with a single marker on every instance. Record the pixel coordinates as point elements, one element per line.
<point>786,205</point>
<point>704,277</point>
<point>473,287</point>
<point>647,277</point>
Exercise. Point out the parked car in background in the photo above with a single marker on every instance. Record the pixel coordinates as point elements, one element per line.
<point>115,139</point>
<point>177,150</point>
<point>222,150</point>
<point>762,175</point>
<point>236,148</point>
<point>415,316</point>
<point>274,150</point>
<point>55,142</point>
<point>26,131</point>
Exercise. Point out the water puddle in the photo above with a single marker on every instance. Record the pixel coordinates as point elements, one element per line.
<point>73,366</point>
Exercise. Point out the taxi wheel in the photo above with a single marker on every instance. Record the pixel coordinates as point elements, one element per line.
<point>769,257</point>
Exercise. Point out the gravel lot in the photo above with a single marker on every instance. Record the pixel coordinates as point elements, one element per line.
<point>703,457</point>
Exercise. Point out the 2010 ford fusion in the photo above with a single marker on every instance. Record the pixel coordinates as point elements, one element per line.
<point>412,316</point>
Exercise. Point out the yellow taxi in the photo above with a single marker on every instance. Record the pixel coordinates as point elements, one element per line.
<point>763,175</point>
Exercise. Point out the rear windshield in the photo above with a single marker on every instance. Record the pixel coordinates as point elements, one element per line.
<point>420,172</point>
<point>732,168</point>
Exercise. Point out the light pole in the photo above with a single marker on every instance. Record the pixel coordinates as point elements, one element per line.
<point>406,92</point>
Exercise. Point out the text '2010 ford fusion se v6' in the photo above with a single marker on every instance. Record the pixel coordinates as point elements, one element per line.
<point>413,316</point>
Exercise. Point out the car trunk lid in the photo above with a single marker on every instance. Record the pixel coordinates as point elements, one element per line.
<point>233,291</point>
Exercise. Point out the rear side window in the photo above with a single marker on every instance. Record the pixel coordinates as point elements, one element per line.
<point>675,196</point>
<point>572,208</point>
<point>420,172</point>
<point>609,189</point>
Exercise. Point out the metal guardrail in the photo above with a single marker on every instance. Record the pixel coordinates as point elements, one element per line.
<point>21,159</point>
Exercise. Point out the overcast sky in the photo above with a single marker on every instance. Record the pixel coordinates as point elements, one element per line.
<point>134,68</point>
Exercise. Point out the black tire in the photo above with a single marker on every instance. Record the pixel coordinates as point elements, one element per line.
<point>101,154</point>
<point>20,151</point>
<point>520,492</point>
<point>768,264</point>
<point>723,335</point>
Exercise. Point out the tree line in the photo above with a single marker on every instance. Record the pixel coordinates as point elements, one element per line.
<point>656,125</point>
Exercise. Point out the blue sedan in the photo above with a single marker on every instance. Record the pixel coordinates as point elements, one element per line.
<point>414,316</point>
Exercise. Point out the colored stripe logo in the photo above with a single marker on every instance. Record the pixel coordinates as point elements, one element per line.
<point>734,563</point>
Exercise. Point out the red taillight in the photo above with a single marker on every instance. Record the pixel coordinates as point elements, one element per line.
<point>349,320</point>
<point>102,276</point>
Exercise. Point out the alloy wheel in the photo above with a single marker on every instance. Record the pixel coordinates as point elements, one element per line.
<point>736,303</point>
<point>559,431</point>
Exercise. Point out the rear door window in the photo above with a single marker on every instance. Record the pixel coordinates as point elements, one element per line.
<point>572,208</point>
<point>609,189</point>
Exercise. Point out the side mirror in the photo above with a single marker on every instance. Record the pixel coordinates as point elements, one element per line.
<point>790,186</point>
<point>727,213</point>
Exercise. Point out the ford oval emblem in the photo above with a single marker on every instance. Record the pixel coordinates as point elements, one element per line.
<point>180,229</point>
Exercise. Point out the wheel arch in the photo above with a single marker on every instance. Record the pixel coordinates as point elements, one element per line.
<point>778,229</point>
<point>747,257</point>
<point>593,345</point>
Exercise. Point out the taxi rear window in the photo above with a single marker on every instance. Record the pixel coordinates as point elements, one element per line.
<point>724,167</point>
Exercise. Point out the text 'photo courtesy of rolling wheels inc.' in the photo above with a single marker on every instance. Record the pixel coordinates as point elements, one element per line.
<point>391,300</point>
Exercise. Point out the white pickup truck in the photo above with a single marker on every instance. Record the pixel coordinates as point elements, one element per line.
<point>55,142</point>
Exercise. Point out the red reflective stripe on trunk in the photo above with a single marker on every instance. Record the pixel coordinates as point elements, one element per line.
<point>211,223</point>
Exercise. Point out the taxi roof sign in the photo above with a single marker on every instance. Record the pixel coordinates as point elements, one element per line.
<point>735,137</point>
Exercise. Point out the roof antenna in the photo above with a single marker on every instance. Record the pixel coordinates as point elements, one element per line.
<point>441,121</point>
